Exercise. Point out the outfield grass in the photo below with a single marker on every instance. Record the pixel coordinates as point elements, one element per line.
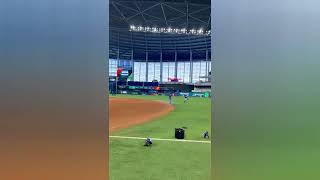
<point>129,159</point>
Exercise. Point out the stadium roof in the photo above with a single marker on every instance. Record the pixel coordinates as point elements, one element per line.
<point>189,14</point>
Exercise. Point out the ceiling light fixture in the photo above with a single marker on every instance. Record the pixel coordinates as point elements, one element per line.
<point>170,30</point>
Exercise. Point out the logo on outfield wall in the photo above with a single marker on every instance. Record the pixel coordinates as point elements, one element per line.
<point>193,94</point>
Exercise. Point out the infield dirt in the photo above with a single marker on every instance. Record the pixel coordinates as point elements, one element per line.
<point>126,112</point>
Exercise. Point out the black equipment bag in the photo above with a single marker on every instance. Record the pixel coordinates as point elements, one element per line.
<point>179,133</point>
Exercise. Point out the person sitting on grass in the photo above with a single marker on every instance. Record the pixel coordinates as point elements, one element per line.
<point>206,134</point>
<point>148,142</point>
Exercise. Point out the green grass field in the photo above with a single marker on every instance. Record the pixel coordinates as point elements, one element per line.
<point>130,160</point>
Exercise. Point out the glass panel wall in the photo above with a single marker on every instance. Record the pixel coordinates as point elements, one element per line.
<point>139,71</point>
<point>180,69</point>
<point>200,68</point>
<point>171,69</point>
<point>113,65</point>
<point>153,71</point>
<point>186,77</point>
<point>150,71</point>
<point>196,71</point>
<point>157,71</point>
<point>165,71</point>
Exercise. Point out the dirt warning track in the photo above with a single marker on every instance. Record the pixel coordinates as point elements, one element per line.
<point>126,112</point>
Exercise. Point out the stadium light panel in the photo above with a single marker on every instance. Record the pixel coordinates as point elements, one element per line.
<point>154,29</point>
<point>169,30</point>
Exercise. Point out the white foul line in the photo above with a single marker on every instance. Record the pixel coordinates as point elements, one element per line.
<point>160,139</point>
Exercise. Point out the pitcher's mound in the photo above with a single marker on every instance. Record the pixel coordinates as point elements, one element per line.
<point>125,112</point>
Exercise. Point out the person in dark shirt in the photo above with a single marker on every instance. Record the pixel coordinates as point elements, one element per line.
<point>206,134</point>
<point>185,98</point>
<point>170,98</point>
<point>148,142</point>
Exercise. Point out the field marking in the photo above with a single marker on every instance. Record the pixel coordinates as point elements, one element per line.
<point>160,139</point>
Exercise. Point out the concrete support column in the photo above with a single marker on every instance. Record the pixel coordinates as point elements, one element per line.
<point>175,64</point>
<point>132,62</point>
<point>147,66</point>
<point>207,56</point>
<point>191,67</point>
<point>161,67</point>
<point>118,52</point>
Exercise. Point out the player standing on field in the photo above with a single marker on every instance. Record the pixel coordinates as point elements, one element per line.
<point>185,98</point>
<point>170,98</point>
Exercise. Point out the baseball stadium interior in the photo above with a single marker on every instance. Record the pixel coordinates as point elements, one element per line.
<point>159,70</point>
<point>160,47</point>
